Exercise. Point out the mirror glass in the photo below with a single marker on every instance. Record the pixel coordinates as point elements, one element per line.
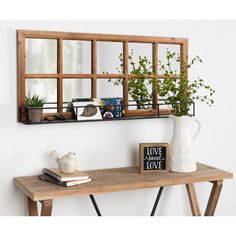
<point>106,89</point>
<point>76,57</point>
<point>140,49</point>
<point>140,94</point>
<point>108,57</point>
<point>76,88</point>
<point>162,49</point>
<point>41,56</point>
<point>45,88</point>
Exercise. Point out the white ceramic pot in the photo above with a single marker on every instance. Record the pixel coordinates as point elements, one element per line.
<point>181,145</point>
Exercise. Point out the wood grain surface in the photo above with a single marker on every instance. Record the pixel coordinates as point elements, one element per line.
<point>117,179</point>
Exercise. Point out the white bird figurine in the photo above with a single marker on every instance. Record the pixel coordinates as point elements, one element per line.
<point>67,164</point>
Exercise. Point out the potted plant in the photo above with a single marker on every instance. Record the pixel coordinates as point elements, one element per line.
<point>179,93</point>
<point>34,106</point>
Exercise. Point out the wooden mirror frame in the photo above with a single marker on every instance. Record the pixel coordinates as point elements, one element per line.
<point>22,35</point>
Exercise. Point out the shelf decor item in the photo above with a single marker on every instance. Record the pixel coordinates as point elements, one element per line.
<point>179,92</point>
<point>34,106</point>
<point>87,111</point>
<point>110,107</point>
<point>67,164</point>
<point>153,157</point>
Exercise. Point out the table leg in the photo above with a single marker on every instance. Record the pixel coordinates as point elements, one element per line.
<point>193,200</point>
<point>157,201</point>
<point>46,209</point>
<point>95,205</point>
<point>32,207</point>
<point>214,197</point>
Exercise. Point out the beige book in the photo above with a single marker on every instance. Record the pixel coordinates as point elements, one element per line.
<point>56,174</point>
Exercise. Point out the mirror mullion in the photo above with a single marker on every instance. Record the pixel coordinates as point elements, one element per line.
<point>94,69</point>
<point>126,74</point>
<point>59,78</point>
<point>154,70</point>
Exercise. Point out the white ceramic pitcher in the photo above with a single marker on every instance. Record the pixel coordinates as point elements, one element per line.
<point>181,145</point>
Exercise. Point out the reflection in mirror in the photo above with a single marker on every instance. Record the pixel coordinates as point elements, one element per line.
<point>44,88</point>
<point>139,49</point>
<point>106,89</point>
<point>76,88</point>
<point>140,93</point>
<point>108,57</point>
<point>41,56</point>
<point>161,101</point>
<point>76,57</point>
<point>162,49</point>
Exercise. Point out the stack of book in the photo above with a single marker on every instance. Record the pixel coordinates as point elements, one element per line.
<point>53,175</point>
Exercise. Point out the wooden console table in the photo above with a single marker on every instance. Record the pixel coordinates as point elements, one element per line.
<point>121,179</point>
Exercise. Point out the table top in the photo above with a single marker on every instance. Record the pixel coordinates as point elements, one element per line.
<point>117,179</point>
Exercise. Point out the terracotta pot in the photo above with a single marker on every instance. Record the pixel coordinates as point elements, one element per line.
<point>35,114</point>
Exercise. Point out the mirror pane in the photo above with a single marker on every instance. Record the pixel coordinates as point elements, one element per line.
<point>108,57</point>
<point>173,48</point>
<point>106,89</point>
<point>142,50</point>
<point>41,56</point>
<point>76,57</point>
<point>76,88</point>
<point>44,88</point>
<point>140,93</point>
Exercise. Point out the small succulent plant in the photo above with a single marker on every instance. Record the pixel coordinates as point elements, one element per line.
<point>34,101</point>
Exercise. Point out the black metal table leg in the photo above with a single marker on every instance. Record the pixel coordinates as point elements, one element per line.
<point>156,202</point>
<point>95,205</point>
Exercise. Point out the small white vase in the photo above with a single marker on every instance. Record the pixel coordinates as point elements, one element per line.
<point>181,145</point>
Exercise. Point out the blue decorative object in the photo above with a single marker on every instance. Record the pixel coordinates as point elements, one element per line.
<point>111,107</point>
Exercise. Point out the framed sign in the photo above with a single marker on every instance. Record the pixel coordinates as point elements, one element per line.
<point>153,157</point>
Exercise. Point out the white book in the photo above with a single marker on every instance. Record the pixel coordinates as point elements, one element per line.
<point>56,174</point>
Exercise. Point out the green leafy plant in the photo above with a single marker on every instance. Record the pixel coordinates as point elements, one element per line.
<point>34,101</point>
<point>139,83</point>
<point>177,90</point>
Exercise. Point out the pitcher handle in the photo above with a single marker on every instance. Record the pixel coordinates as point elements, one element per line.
<point>198,130</point>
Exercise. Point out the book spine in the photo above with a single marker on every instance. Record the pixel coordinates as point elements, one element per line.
<point>49,179</point>
<point>45,171</point>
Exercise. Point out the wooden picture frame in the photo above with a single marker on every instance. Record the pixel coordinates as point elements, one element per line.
<point>154,157</point>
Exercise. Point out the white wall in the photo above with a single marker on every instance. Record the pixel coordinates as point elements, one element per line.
<point>24,149</point>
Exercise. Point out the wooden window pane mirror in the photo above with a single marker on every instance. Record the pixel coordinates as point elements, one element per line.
<point>63,65</point>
